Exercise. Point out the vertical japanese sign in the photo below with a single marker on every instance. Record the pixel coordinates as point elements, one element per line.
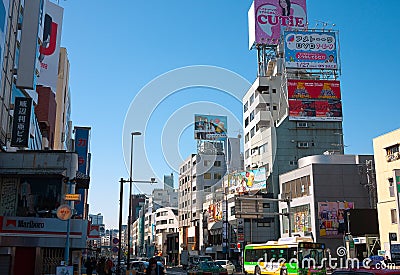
<point>268,17</point>
<point>82,149</point>
<point>22,121</point>
<point>49,52</point>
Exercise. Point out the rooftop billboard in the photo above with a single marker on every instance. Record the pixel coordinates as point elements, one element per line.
<point>311,50</point>
<point>266,18</point>
<point>317,100</point>
<point>210,127</point>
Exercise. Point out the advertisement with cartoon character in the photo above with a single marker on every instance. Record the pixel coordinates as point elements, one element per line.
<point>250,180</point>
<point>314,100</point>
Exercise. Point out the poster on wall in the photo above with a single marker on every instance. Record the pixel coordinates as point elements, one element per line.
<point>332,220</point>
<point>311,50</point>
<point>8,197</point>
<point>267,18</point>
<point>247,181</point>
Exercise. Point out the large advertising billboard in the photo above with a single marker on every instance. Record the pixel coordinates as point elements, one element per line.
<point>210,127</point>
<point>50,50</point>
<point>317,100</point>
<point>267,17</point>
<point>247,181</point>
<point>311,50</point>
<point>332,218</point>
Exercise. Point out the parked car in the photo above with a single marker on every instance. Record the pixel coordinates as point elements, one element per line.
<point>207,268</point>
<point>139,267</point>
<point>228,265</point>
<point>194,260</point>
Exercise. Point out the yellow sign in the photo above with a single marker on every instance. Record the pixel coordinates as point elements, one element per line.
<point>72,197</point>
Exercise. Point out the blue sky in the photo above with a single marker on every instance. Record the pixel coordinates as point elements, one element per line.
<point>116,47</point>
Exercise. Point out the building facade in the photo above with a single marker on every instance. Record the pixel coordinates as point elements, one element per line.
<point>387,166</point>
<point>199,175</point>
<point>322,189</point>
<point>32,237</point>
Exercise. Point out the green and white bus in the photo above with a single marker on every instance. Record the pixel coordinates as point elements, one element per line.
<point>292,255</point>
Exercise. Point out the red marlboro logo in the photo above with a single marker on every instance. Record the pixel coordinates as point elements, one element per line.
<point>11,222</point>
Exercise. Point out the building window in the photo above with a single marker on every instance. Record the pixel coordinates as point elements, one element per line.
<point>246,154</point>
<point>263,148</point>
<point>266,205</point>
<point>217,176</point>
<point>302,124</point>
<point>391,187</point>
<point>207,176</point>
<point>392,153</point>
<point>393,214</point>
<point>245,107</point>
<point>206,163</point>
<point>194,201</point>
<point>194,188</point>
<point>302,144</point>
<point>263,224</point>
<point>246,122</point>
<point>246,138</point>
<point>274,91</point>
<point>233,211</point>
<point>251,99</point>
<point>274,107</point>
<point>252,131</point>
<point>217,163</point>
<point>252,115</point>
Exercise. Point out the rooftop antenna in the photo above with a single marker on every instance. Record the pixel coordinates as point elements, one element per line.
<point>324,24</point>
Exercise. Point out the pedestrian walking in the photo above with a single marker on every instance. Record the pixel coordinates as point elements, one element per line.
<point>90,265</point>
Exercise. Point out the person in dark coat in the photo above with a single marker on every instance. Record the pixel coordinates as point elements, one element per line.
<point>154,268</point>
<point>90,264</point>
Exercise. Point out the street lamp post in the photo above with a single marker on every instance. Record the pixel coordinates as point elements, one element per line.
<point>121,194</point>
<point>130,199</point>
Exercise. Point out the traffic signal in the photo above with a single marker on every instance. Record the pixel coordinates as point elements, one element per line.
<point>239,246</point>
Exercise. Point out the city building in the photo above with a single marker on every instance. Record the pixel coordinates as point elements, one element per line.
<point>322,189</point>
<point>198,175</point>
<point>33,186</point>
<point>290,112</point>
<point>169,181</point>
<point>166,220</point>
<point>387,167</point>
<point>63,99</point>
